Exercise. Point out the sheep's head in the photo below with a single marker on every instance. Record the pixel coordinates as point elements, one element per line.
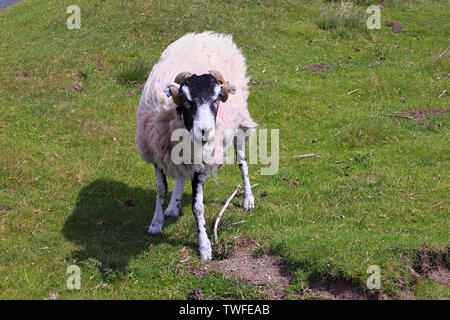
<point>197,98</point>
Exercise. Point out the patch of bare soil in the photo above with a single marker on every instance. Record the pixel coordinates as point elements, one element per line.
<point>268,273</point>
<point>396,27</point>
<point>340,289</point>
<point>434,265</point>
<point>273,277</point>
<point>336,290</point>
<point>420,114</point>
<point>317,68</point>
<point>265,271</point>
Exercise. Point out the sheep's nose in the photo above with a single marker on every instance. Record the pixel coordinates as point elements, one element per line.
<point>205,132</point>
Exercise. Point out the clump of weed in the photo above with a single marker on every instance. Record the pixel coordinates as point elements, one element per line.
<point>223,249</point>
<point>110,268</point>
<point>134,74</point>
<point>86,72</point>
<point>363,158</point>
<point>258,252</point>
<point>341,16</point>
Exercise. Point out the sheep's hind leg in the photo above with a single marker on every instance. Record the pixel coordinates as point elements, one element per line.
<point>174,207</point>
<point>161,190</point>
<point>249,200</point>
<point>204,245</point>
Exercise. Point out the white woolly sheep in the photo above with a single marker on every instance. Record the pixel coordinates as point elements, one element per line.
<point>197,100</point>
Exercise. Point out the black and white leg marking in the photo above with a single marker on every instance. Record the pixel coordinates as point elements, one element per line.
<point>204,245</point>
<point>161,190</point>
<point>174,207</point>
<point>249,200</point>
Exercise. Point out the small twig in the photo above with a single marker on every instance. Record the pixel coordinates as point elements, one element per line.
<point>241,191</point>
<point>184,260</point>
<point>398,116</point>
<point>100,285</point>
<point>443,92</point>
<point>340,161</point>
<point>239,222</point>
<point>227,203</point>
<point>440,56</point>
<point>353,91</point>
<point>300,156</point>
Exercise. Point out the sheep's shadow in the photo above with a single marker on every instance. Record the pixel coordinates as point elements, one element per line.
<point>109,224</point>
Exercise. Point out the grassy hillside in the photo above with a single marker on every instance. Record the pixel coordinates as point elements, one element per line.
<point>73,189</point>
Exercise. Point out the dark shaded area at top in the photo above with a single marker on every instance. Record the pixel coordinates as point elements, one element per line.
<point>110,223</point>
<point>6,3</point>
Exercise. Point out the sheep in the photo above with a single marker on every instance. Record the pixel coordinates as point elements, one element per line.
<point>203,103</point>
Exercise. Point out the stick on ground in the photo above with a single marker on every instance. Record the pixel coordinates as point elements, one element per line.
<point>398,116</point>
<point>306,155</point>
<point>440,56</point>
<point>227,203</point>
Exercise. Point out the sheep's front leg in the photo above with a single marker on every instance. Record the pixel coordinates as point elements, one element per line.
<point>249,200</point>
<point>204,245</point>
<point>161,190</point>
<point>174,207</point>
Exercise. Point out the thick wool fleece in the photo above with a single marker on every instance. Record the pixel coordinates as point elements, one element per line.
<point>157,118</point>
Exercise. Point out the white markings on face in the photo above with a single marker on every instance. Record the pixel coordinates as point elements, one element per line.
<point>186,92</point>
<point>217,90</point>
<point>199,106</point>
<point>203,128</point>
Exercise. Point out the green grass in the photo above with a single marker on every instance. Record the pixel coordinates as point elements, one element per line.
<point>134,74</point>
<point>339,16</point>
<point>73,189</point>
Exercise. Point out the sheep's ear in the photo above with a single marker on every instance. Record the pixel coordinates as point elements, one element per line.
<point>180,77</point>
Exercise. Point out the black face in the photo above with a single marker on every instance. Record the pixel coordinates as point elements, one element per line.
<point>198,93</point>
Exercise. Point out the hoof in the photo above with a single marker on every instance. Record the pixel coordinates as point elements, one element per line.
<point>249,203</point>
<point>172,213</point>
<point>205,251</point>
<point>154,230</point>
<point>206,256</point>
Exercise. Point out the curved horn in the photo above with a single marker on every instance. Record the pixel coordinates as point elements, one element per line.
<point>180,77</point>
<point>175,95</point>
<point>219,77</point>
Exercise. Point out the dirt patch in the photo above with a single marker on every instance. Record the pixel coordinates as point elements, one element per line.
<point>272,276</point>
<point>338,290</point>
<point>420,114</point>
<point>265,271</point>
<point>396,27</point>
<point>434,265</point>
<point>317,68</point>
<point>195,294</point>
